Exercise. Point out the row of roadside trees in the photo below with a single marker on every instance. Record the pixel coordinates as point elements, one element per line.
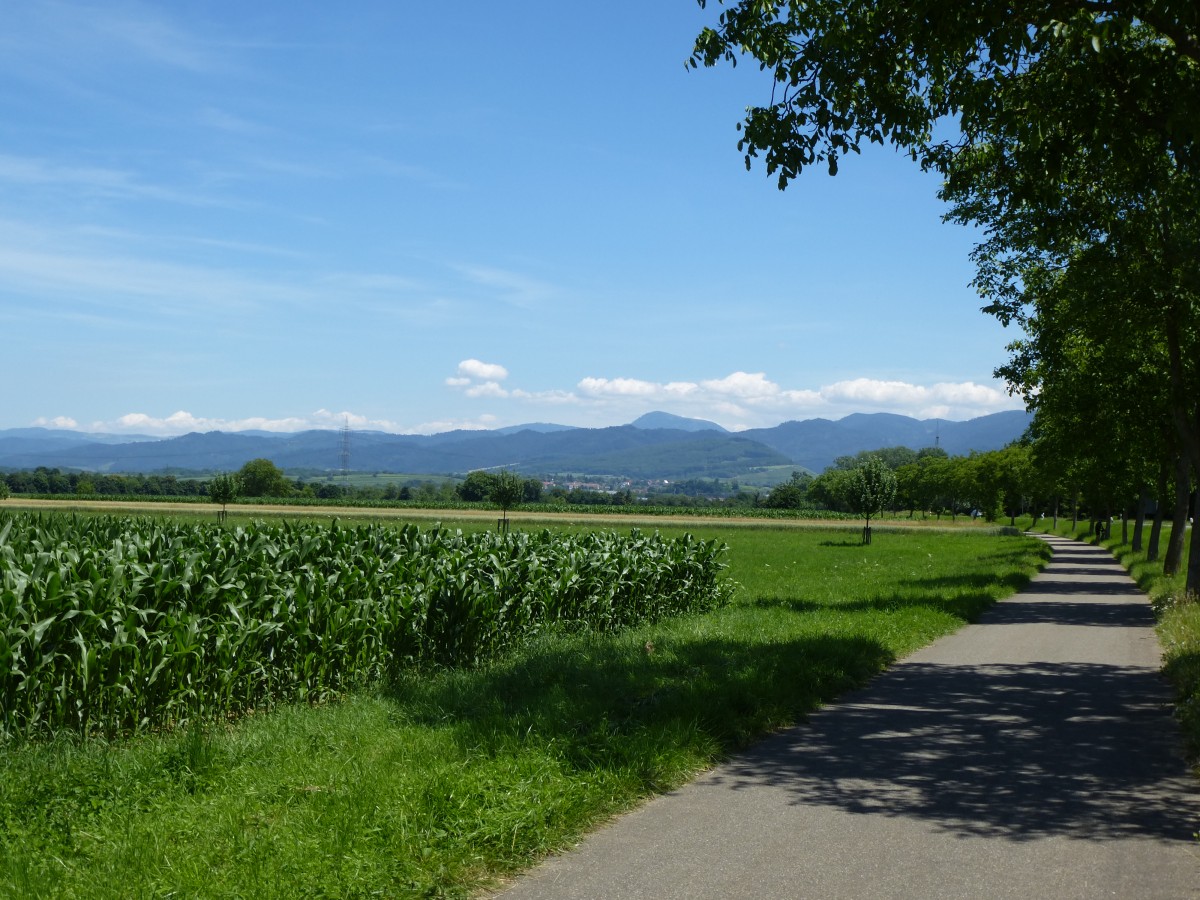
<point>996,484</point>
<point>1068,133</point>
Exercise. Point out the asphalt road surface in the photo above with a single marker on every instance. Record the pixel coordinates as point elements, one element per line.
<point>1031,755</point>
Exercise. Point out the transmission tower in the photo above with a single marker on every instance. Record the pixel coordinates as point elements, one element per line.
<point>345,454</point>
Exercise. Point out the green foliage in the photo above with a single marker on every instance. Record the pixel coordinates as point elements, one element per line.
<point>893,71</point>
<point>114,625</point>
<point>792,494</point>
<point>223,489</point>
<point>4,492</point>
<point>262,478</point>
<point>507,491</point>
<point>892,457</point>
<point>54,482</point>
<point>831,490</point>
<point>476,487</point>
<point>1072,147</point>
<point>871,488</point>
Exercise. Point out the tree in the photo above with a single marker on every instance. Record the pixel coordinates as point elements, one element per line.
<point>830,489</point>
<point>791,494</point>
<point>1072,144</point>
<point>901,71</point>
<point>4,493</point>
<point>262,478</point>
<point>507,490</point>
<point>223,489</point>
<point>532,491</point>
<point>1093,254</point>
<point>476,487</point>
<point>872,487</point>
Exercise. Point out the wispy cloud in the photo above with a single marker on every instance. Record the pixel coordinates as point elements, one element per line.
<point>223,120</point>
<point>153,37</point>
<point>513,288</point>
<point>101,39</point>
<point>100,182</point>
<point>112,272</point>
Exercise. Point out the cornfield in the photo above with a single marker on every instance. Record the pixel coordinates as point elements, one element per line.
<point>112,625</point>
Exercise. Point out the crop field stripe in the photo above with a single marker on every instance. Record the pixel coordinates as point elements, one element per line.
<point>113,625</point>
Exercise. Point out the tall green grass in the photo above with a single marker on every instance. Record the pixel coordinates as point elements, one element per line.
<point>449,780</point>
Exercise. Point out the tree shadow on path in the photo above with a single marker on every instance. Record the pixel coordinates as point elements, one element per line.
<point>1012,750</point>
<point>1019,751</point>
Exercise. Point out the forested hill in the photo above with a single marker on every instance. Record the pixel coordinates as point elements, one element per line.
<point>689,449</point>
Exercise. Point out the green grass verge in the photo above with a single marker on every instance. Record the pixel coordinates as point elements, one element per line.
<point>449,780</point>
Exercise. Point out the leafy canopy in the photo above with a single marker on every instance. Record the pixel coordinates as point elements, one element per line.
<point>932,76</point>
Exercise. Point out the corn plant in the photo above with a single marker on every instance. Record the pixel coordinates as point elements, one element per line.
<point>114,625</point>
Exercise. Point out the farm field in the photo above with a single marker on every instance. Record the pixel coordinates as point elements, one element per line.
<point>477,518</point>
<point>440,781</point>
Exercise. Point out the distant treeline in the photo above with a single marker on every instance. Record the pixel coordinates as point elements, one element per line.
<point>52,481</point>
<point>991,485</point>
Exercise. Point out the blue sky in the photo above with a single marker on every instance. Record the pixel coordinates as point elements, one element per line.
<point>289,215</point>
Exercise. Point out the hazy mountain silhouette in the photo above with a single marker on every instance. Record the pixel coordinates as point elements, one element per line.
<point>657,445</point>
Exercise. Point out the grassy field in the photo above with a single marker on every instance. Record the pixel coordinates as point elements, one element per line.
<point>448,781</point>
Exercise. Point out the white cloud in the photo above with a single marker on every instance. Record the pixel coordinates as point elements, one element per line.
<point>56,422</point>
<point>442,425</point>
<point>473,368</point>
<point>619,387</point>
<point>734,396</point>
<point>743,384</point>
<point>486,389</point>
<point>738,401</point>
<point>941,400</point>
<point>743,400</point>
<point>556,397</point>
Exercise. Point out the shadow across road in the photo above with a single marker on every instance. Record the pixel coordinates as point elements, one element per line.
<point>1010,751</point>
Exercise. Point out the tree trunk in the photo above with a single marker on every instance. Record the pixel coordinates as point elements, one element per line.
<point>1139,521</point>
<point>1193,573</point>
<point>1164,475</point>
<point>1174,557</point>
<point>1185,411</point>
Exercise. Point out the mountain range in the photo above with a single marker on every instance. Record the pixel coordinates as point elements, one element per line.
<point>657,445</point>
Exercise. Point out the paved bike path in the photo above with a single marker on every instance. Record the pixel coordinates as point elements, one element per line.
<point>1030,755</point>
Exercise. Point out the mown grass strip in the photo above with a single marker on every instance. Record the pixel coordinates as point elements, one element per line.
<point>451,779</point>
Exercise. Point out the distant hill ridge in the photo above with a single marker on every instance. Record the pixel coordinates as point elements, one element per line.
<point>656,445</point>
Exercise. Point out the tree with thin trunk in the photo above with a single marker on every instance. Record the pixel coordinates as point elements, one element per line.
<point>506,491</point>
<point>872,488</point>
<point>223,489</point>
